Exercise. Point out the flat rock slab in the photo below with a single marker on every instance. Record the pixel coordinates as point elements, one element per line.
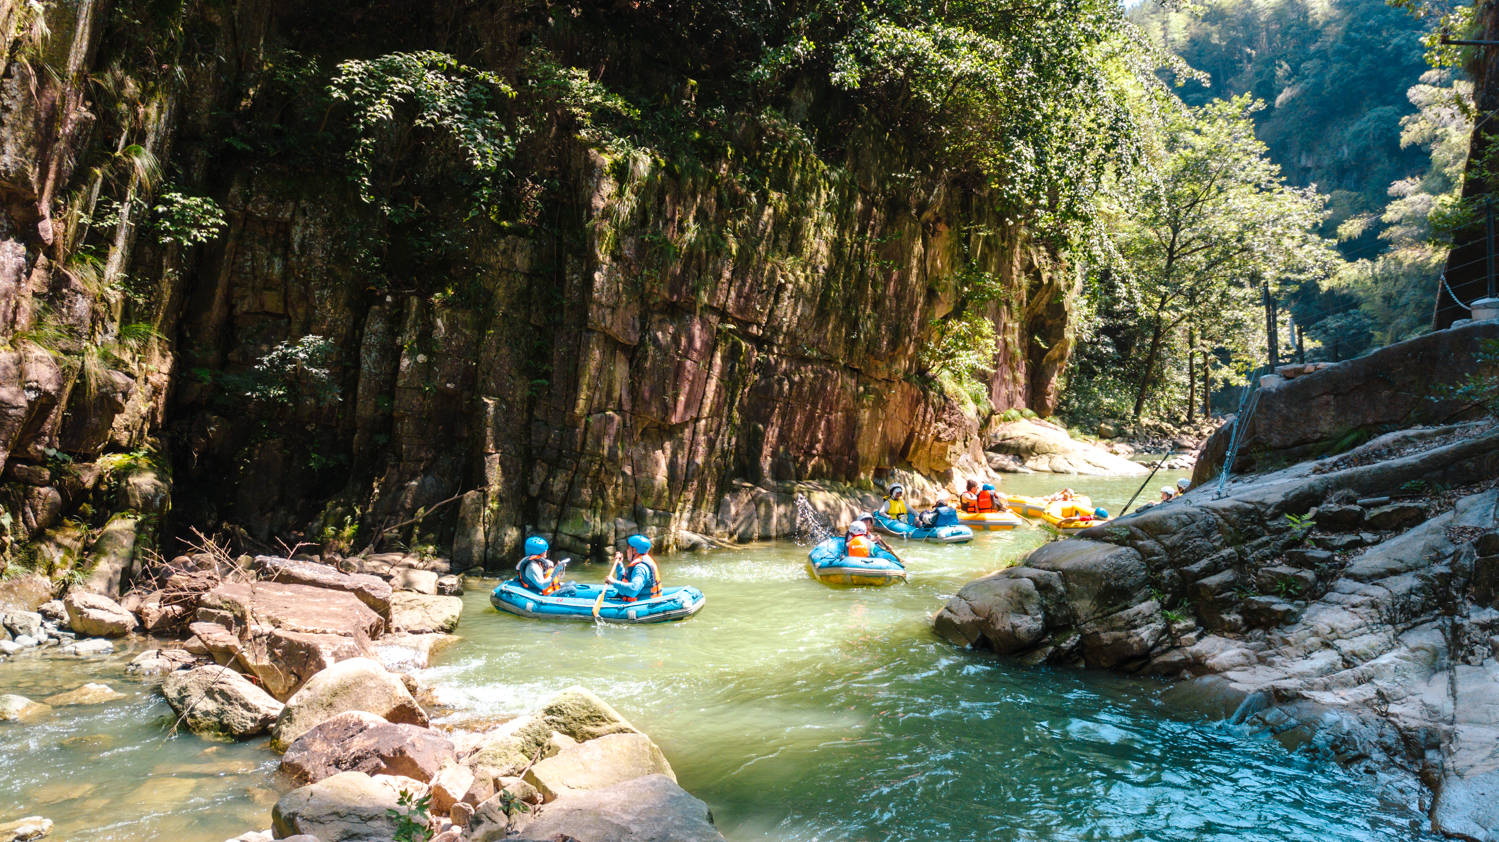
<point>358,741</point>
<point>598,764</point>
<point>14,708</point>
<point>1468,807</point>
<point>295,608</point>
<point>648,809</point>
<point>371,590</point>
<point>415,613</point>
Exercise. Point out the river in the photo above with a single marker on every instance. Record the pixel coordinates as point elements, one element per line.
<point>797,711</point>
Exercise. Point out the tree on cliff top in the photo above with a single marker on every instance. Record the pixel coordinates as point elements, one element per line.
<point>1220,222</point>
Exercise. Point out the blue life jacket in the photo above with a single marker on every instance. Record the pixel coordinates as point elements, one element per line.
<point>946,516</point>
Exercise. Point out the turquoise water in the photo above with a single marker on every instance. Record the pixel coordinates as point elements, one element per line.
<point>802,712</point>
<point>797,711</point>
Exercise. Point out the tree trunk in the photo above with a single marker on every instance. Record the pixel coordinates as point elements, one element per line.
<point>1207,392</point>
<point>1191,373</point>
<point>1155,348</point>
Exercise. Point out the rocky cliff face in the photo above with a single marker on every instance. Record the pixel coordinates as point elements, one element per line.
<point>643,335</point>
<point>1348,602</point>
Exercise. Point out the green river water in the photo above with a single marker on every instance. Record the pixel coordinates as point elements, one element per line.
<point>797,711</point>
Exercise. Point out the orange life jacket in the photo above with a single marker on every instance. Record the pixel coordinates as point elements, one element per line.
<point>858,547</point>
<point>968,502</point>
<point>650,566</point>
<point>985,501</point>
<point>551,585</point>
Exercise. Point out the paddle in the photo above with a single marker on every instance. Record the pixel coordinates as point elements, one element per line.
<point>599,603</point>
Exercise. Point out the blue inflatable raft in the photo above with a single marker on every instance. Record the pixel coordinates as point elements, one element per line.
<point>672,604</point>
<point>828,564</point>
<point>956,534</point>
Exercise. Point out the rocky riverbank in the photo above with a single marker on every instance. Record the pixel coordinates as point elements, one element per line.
<point>1350,602</point>
<point>318,661</point>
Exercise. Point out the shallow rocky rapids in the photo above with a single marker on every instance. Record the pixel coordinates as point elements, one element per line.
<point>1350,602</point>
<point>320,660</point>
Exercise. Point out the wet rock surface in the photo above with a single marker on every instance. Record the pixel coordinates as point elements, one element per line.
<point>356,684</point>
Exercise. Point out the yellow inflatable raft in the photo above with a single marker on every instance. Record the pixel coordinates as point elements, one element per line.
<point>989,520</point>
<point>1026,506</point>
<point>1071,515</point>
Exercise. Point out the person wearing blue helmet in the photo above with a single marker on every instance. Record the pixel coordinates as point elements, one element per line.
<point>539,573</point>
<point>1100,513</point>
<point>642,578</point>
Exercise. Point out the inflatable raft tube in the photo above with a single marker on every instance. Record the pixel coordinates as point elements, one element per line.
<point>1071,515</point>
<point>1026,506</point>
<point>673,604</point>
<point>958,534</point>
<point>990,520</point>
<point>829,565</point>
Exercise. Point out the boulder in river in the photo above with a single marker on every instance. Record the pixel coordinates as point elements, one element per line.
<point>27,623</point>
<point>216,701</point>
<point>358,741</point>
<point>14,707</point>
<point>575,713</point>
<point>347,807</point>
<point>92,693</point>
<point>647,809</point>
<point>25,830</point>
<point>97,615</point>
<point>159,662</point>
<point>355,684</point>
<point>416,613</point>
<point>597,764</point>
<point>295,608</point>
<point>87,648</point>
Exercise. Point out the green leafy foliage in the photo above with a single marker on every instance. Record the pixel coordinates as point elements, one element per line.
<point>290,372</point>
<point>187,220</point>
<point>402,99</point>
<point>412,822</point>
<point>1195,248</point>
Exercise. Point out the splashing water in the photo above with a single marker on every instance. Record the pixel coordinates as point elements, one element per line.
<point>812,526</point>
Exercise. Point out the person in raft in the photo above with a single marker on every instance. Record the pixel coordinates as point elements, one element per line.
<point>969,498</point>
<point>940,514</point>
<point>1182,485</point>
<point>642,578</point>
<point>895,506</point>
<point>1168,492</point>
<point>857,544</point>
<point>867,519</point>
<point>540,574</point>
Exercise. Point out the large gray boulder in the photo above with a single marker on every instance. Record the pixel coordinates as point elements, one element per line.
<point>216,701</point>
<point>96,615</point>
<point>347,807</point>
<point>355,684</point>
<point>358,741</point>
<point>648,809</point>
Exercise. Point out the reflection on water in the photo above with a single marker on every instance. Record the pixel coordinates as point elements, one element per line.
<point>797,711</point>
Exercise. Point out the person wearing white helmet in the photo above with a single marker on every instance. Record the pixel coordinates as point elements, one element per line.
<point>1182,485</point>
<point>1168,492</point>
<point>894,505</point>
<point>867,518</point>
<point>857,545</point>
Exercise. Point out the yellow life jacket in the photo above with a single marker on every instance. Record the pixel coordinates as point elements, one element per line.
<point>896,508</point>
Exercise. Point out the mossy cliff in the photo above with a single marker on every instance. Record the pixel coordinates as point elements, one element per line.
<point>202,279</point>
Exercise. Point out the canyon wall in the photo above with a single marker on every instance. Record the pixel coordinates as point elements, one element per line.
<point>648,331</point>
